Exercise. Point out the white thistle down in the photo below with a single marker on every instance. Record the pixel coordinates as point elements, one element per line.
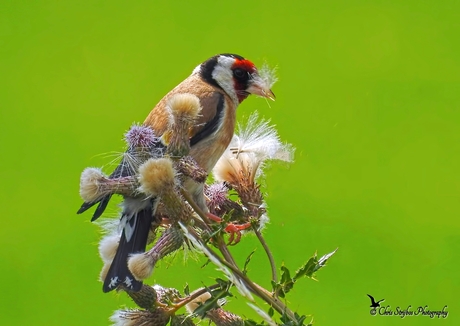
<point>119,318</point>
<point>108,247</point>
<point>252,145</point>
<point>268,75</point>
<point>109,242</point>
<point>125,317</point>
<point>137,317</point>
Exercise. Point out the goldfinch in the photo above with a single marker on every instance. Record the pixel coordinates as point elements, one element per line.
<point>220,83</point>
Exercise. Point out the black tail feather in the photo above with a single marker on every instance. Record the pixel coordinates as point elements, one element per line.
<point>103,202</point>
<point>119,274</point>
<point>101,207</point>
<point>85,206</point>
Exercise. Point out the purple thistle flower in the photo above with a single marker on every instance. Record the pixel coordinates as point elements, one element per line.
<point>217,194</point>
<point>140,136</point>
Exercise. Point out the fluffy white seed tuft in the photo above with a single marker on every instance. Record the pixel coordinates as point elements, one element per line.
<point>253,144</point>
<point>268,75</point>
<point>156,176</point>
<point>263,221</point>
<point>137,317</point>
<point>108,247</point>
<point>184,106</point>
<point>104,271</point>
<point>89,184</point>
<point>119,319</point>
<point>141,265</point>
<point>227,168</point>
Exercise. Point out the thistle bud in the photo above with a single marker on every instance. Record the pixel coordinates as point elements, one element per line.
<point>142,145</point>
<point>184,109</point>
<point>188,167</point>
<point>156,176</point>
<point>166,295</point>
<point>89,184</point>
<point>146,298</point>
<point>94,185</point>
<point>140,137</point>
<point>224,318</point>
<point>181,320</point>
<point>243,161</point>
<point>219,204</point>
<point>141,265</point>
<point>158,317</point>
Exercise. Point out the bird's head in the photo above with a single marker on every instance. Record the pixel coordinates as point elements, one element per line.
<point>237,76</point>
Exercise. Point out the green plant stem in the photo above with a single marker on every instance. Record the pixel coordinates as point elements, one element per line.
<point>220,241</point>
<point>258,290</point>
<point>265,295</point>
<point>268,252</point>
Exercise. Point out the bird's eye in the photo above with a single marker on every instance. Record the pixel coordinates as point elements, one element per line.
<point>240,73</point>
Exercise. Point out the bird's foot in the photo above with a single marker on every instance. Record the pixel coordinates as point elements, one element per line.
<point>233,229</point>
<point>235,232</point>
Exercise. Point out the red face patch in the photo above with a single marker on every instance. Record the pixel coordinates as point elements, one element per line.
<point>242,74</point>
<point>245,65</point>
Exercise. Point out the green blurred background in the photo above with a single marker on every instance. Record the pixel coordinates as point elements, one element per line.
<point>368,93</point>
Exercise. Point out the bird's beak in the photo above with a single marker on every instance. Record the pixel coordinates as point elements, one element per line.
<point>260,90</point>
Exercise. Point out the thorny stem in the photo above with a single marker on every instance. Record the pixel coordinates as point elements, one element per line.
<point>224,250</point>
<point>229,261</point>
<point>265,295</point>
<point>268,252</point>
<point>129,185</point>
<point>220,241</point>
<point>258,290</point>
<point>261,292</point>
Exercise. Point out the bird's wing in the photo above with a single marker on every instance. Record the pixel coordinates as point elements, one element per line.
<point>212,101</point>
<point>210,117</point>
<point>372,298</point>
<point>158,119</point>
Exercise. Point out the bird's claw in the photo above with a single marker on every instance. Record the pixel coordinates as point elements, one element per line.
<point>233,229</point>
<point>235,232</point>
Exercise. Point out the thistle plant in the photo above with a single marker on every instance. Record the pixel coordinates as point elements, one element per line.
<point>180,224</point>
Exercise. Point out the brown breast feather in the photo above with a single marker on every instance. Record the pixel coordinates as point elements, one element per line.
<point>207,151</point>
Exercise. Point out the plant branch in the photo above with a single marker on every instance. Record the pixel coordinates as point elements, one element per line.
<point>220,241</point>
<point>268,252</point>
<point>261,292</point>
